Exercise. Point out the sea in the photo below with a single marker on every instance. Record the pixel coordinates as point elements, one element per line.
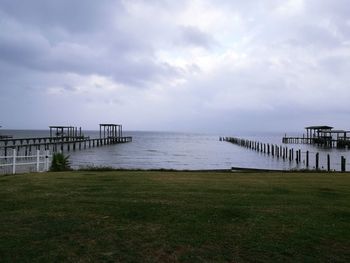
<point>188,151</point>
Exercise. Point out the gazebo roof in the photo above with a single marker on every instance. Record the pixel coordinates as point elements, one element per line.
<point>60,127</point>
<point>324,127</point>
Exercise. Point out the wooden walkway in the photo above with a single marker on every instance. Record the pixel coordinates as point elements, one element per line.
<point>64,138</point>
<point>325,142</point>
<point>297,140</point>
<point>28,145</point>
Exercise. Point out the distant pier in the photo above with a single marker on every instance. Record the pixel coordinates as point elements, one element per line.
<point>2,136</point>
<point>323,136</point>
<point>65,138</point>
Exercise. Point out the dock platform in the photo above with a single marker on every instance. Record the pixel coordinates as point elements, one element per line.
<point>65,138</point>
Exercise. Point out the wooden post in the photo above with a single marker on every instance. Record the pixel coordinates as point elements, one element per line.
<point>307,158</point>
<point>343,164</point>
<point>328,163</point>
<point>104,132</point>
<point>344,161</point>
<point>290,155</point>
<point>317,160</point>
<point>297,157</point>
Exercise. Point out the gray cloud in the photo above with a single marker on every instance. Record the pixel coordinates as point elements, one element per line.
<point>72,16</point>
<point>193,36</point>
<point>77,37</point>
<point>195,64</point>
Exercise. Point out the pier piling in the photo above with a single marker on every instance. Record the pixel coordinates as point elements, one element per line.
<point>328,163</point>
<point>343,164</point>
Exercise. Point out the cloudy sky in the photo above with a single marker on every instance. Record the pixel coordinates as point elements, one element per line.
<point>200,65</point>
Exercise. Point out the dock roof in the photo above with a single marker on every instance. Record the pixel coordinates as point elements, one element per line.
<point>60,127</point>
<point>324,127</point>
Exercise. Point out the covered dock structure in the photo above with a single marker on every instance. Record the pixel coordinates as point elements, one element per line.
<point>315,131</point>
<point>109,130</point>
<point>322,135</point>
<point>66,132</point>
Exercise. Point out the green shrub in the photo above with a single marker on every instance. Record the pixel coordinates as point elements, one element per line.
<point>60,162</point>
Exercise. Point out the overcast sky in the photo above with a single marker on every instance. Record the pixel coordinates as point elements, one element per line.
<point>201,65</point>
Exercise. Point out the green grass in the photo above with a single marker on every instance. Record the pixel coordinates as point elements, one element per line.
<point>138,216</point>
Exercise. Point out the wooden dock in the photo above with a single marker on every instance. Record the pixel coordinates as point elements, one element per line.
<point>2,136</point>
<point>65,138</point>
<point>323,136</point>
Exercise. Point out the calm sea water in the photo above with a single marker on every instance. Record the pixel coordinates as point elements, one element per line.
<point>156,150</point>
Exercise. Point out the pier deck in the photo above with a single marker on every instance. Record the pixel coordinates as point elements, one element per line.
<point>65,138</point>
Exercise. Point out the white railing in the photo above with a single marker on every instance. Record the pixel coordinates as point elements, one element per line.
<point>28,163</point>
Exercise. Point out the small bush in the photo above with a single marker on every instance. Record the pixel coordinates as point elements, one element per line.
<point>60,163</point>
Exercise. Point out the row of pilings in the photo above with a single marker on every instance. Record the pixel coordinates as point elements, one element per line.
<point>284,153</point>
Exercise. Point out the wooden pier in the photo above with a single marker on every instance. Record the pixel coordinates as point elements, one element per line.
<point>65,138</point>
<point>285,154</point>
<point>323,136</point>
<point>2,136</point>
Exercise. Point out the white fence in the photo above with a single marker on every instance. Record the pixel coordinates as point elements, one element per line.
<point>22,164</point>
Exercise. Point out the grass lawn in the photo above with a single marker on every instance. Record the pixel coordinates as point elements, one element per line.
<point>135,216</point>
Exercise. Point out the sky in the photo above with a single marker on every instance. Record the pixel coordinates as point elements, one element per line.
<point>202,66</point>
